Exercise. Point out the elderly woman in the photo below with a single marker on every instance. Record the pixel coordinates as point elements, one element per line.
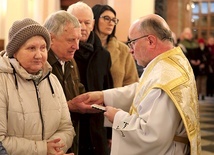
<point>34,113</point>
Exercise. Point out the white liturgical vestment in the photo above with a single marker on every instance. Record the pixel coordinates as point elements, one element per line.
<point>163,105</point>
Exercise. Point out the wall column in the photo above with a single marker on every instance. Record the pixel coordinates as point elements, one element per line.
<point>38,10</point>
<point>128,11</point>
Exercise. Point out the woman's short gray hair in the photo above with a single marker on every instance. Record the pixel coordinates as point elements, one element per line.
<point>55,22</point>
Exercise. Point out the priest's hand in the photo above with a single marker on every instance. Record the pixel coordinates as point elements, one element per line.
<point>110,113</point>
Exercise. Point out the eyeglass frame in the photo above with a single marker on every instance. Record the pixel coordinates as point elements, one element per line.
<point>110,19</point>
<point>130,43</point>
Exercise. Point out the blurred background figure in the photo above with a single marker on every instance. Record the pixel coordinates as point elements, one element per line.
<point>187,41</point>
<point>210,79</point>
<point>201,79</point>
<point>190,48</point>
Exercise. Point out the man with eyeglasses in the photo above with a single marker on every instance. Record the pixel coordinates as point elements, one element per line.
<point>159,115</point>
<point>94,64</point>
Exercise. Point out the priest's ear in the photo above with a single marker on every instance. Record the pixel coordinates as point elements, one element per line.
<point>152,40</point>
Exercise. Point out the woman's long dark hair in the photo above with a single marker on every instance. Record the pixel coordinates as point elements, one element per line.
<point>98,9</point>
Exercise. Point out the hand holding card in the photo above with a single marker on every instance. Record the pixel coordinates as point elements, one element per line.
<point>99,107</point>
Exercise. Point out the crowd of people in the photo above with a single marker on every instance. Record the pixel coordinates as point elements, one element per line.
<point>51,74</point>
<point>200,53</point>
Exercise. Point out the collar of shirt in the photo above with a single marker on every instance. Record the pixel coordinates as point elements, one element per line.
<point>62,63</point>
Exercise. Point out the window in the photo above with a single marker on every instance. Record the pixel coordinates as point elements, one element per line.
<point>203,18</point>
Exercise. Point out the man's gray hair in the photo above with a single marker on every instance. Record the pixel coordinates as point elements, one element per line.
<point>79,6</point>
<point>56,22</point>
<point>157,28</point>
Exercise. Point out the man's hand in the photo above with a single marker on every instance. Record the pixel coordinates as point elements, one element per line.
<point>82,103</point>
<point>81,107</point>
<point>95,97</point>
<point>110,113</point>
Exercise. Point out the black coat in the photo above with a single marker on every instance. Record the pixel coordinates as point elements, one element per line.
<point>2,149</point>
<point>94,64</point>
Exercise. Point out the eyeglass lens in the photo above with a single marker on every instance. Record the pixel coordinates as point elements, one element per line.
<point>108,19</point>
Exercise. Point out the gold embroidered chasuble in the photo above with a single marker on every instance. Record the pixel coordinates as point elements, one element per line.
<point>172,73</point>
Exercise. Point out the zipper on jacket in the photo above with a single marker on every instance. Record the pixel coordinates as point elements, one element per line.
<point>40,108</point>
<point>37,94</point>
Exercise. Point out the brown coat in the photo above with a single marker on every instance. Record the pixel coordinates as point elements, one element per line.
<point>123,70</point>
<point>71,85</point>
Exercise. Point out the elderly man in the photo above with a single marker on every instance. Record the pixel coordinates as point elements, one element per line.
<point>94,64</point>
<point>65,35</point>
<point>160,113</point>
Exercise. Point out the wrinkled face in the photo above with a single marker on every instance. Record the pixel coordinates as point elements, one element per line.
<point>139,47</point>
<point>106,22</point>
<point>32,55</point>
<point>65,45</point>
<point>86,20</point>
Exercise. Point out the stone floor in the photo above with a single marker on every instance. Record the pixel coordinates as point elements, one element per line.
<point>206,108</point>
